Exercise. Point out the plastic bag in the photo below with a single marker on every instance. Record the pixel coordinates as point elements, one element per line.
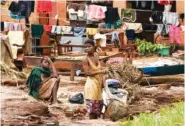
<point>77,98</point>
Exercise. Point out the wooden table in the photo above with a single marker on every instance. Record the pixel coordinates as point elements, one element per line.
<point>73,62</point>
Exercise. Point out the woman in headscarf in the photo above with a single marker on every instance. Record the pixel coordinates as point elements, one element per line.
<point>43,82</point>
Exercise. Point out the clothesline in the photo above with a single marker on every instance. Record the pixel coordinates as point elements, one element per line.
<point>36,17</point>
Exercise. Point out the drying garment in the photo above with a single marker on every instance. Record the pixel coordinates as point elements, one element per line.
<point>53,30</point>
<point>102,40</point>
<point>143,16</point>
<point>149,27</point>
<point>16,16</point>
<point>162,29</point>
<point>128,15</point>
<point>29,9</point>
<point>16,37</point>
<point>47,28</point>
<point>115,38</point>
<point>114,25</point>
<point>167,7</point>
<point>130,34</point>
<point>37,30</point>
<point>44,6</point>
<point>134,26</point>
<point>91,31</point>
<point>170,18</point>
<point>58,30</point>
<point>21,9</point>
<point>77,11</point>
<point>2,26</point>
<point>64,40</point>
<point>67,29</point>
<point>18,8</point>
<point>95,12</point>
<point>101,25</point>
<point>78,31</point>
<point>17,26</point>
<point>157,17</point>
<point>165,2</point>
<point>111,15</point>
<point>10,26</point>
<point>138,4</point>
<point>175,34</point>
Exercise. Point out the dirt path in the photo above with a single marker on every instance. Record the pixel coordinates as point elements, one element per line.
<point>20,109</point>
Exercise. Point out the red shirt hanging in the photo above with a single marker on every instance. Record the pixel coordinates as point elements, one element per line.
<point>165,2</point>
<point>44,6</point>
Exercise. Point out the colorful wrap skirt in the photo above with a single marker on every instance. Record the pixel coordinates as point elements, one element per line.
<point>94,106</point>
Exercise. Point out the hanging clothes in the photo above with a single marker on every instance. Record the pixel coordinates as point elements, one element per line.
<point>112,18</point>
<point>91,31</point>
<point>77,11</point>
<point>16,37</point>
<point>138,4</point>
<point>157,17</point>
<point>143,16</point>
<point>170,18</point>
<point>67,30</point>
<point>174,34</point>
<point>165,2</point>
<point>111,15</point>
<point>128,15</point>
<point>96,13</point>
<point>56,29</point>
<point>162,29</point>
<point>63,40</point>
<point>79,31</point>
<point>10,26</point>
<point>44,6</point>
<point>134,26</point>
<point>37,30</point>
<point>130,34</point>
<point>47,28</point>
<point>21,9</point>
<point>115,39</point>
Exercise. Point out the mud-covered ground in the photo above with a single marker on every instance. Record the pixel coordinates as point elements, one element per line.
<point>19,109</point>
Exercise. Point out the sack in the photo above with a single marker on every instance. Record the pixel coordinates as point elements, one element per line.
<point>116,110</point>
<point>77,98</point>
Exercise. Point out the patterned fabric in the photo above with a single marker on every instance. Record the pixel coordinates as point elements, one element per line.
<point>45,89</point>
<point>94,106</point>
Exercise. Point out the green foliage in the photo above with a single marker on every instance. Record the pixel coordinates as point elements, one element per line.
<point>168,116</point>
<point>145,47</point>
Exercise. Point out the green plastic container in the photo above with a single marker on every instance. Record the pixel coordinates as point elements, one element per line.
<point>164,51</point>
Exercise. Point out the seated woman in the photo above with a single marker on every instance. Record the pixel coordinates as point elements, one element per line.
<point>93,85</point>
<point>42,82</point>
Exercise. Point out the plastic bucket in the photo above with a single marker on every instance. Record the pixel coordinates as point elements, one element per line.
<point>164,51</point>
